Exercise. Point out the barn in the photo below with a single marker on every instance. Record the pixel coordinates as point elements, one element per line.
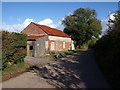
<point>42,39</point>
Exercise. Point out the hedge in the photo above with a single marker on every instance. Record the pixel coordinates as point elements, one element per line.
<point>107,53</point>
<point>13,48</point>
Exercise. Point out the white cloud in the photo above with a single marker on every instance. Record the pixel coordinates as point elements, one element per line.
<point>60,27</point>
<point>47,22</point>
<point>69,14</point>
<point>104,26</point>
<point>27,22</point>
<point>63,19</point>
<point>13,28</point>
<point>18,19</point>
<point>19,27</point>
<point>105,22</point>
<point>112,16</point>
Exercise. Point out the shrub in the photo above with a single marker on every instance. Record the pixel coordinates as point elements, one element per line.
<point>59,55</point>
<point>64,53</point>
<point>107,52</point>
<point>13,71</point>
<point>69,52</point>
<point>91,43</point>
<point>13,48</point>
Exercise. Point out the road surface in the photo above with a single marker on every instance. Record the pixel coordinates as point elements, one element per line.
<point>75,71</point>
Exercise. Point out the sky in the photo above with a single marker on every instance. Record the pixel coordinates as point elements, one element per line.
<point>17,15</point>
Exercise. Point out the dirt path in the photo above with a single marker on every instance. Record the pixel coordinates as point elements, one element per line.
<point>74,71</point>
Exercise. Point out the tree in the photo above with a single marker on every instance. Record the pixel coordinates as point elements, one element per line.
<point>82,26</point>
<point>115,22</point>
<point>107,52</point>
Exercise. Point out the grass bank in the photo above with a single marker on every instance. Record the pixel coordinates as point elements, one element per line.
<point>60,54</point>
<point>14,70</point>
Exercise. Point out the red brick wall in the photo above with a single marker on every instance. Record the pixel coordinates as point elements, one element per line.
<point>33,30</point>
<point>59,45</point>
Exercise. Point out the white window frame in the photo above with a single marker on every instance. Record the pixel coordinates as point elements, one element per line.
<point>63,44</point>
<point>52,45</point>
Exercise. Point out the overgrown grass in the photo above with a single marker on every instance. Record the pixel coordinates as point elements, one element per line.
<point>65,53</point>
<point>46,56</point>
<point>14,70</point>
<point>60,54</point>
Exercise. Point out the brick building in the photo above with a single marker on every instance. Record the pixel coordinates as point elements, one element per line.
<point>43,39</point>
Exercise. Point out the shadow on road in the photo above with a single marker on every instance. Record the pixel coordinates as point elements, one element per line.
<point>74,71</point>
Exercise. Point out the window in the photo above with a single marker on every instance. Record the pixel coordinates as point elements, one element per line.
<point>31,47</point>
<point>52,45</point>
<point>46,45</point>
<point>63,44</point>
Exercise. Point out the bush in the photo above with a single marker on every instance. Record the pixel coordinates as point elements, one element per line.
<point>65,53</point>
<point>69,52</point>
<point>62,54</point>
<point>13,71</point>
<point>59,55</point>
<point>91,43</point>
<point>13,48</point>
<point>107,52</point>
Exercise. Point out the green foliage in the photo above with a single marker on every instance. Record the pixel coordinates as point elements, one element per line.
<point>13,48</point>
<point>69,52</point>
<point>65,53</point>
<point>115,22</point>
<point>14,70</point>
<point>107,52</point>
<point>19,59</point>
<point>84,46</point>
<point>59,55</point>
<point>82,25</point>
<point>91,43</point>
<point>62,54</point>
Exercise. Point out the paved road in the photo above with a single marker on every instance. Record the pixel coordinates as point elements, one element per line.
<point>75,71</point>
<point>27,80</point>
<point>38,61</point>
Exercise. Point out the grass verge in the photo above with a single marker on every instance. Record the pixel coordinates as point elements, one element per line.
<point>14,70</point>
<point>60,54</point>
<point>65,53</point>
